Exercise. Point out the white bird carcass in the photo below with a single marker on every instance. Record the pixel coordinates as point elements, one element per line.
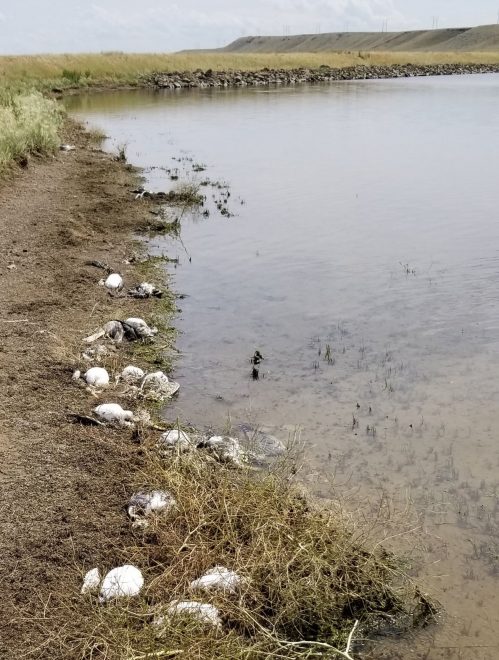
<point>112,329</point>
<point>132,374</point>
<point>218,579</point>
<point>136,328</point>
<point>225,450</point>
<point>158,383</point>
<point>145,504</point>
<point>96,377</point>
<point>202,612</point>
<point>114,414</point>
<point>91,582</point>
<point>131,329</point>
<point>175,440</point>
<point>113,282</point>
<point>121,582</point>
<point>145,290</point>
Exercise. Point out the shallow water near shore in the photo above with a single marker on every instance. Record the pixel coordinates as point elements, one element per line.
<point>364,265</point>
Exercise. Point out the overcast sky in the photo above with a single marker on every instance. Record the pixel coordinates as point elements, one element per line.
<point>37,26</point>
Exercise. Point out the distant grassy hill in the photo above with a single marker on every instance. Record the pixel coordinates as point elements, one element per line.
<point>483,38</point>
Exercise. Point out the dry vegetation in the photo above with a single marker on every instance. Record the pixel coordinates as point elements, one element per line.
<point>29,124</point>
<point>81,70</point>
<point>307,580</point>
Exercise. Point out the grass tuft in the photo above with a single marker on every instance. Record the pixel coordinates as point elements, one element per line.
<point>306,579</point>
<point>29,124</point>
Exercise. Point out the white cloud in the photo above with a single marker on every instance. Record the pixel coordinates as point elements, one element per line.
<point>167,25</point>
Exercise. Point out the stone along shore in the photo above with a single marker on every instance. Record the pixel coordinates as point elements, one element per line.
<point>266,77</point>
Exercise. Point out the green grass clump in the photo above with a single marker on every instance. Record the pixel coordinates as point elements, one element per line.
<point>29,124</point>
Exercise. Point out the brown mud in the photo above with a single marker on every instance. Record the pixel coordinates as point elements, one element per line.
<point>63,485</point>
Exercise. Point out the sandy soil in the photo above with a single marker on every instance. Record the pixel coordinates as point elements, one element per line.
<point>63,486</point>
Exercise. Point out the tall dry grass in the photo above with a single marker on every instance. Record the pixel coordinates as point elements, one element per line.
<point>29,124</point>
<point>307,578</point>
<point>81,70</point>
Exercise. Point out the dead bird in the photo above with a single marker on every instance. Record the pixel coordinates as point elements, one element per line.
<point>255,361</point>
<point>145,290</point>
<point>101,265</point>
<point>114,283</point>
<point>257,358</point>
<point>131,329</point>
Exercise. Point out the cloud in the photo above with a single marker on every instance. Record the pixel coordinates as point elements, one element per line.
<point>358,14</point>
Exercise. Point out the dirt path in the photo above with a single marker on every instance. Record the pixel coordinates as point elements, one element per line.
<point>63,486</point>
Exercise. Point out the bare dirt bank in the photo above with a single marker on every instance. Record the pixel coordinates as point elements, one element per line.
<point>63,485</point>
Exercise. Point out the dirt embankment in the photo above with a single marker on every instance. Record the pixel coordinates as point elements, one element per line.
<point>481,38</point>
<point>63,485</point>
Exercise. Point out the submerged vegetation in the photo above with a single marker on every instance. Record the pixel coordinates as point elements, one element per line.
<point>29,124</point>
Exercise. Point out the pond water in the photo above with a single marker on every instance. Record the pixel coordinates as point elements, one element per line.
<point>362,260</point>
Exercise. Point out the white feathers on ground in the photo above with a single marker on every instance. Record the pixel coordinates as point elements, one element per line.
<point>91,582</point>
<point>144,504</point>
<point>132,374</point>
<point>175,440</point>
<point>202,612</point>
<point>124,581</point>
<point>76,375</point>
<point>114,282</point>
<point>145,290</point>
<point>95,353</point>
<point>114,414</point>
<point>96,377</point>
<point>159,383</point>
<point>218,579</point>
<point>67,147</point>
<point>226,450</point>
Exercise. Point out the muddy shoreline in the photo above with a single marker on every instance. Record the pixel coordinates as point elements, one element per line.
<point>63,484</point>
<point>325,74</point>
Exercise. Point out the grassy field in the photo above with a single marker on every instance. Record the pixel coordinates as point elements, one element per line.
<point>81,70</point>
<point>29,124</point>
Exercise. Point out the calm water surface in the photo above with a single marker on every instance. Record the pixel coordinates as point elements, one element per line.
<point>370,226</point>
